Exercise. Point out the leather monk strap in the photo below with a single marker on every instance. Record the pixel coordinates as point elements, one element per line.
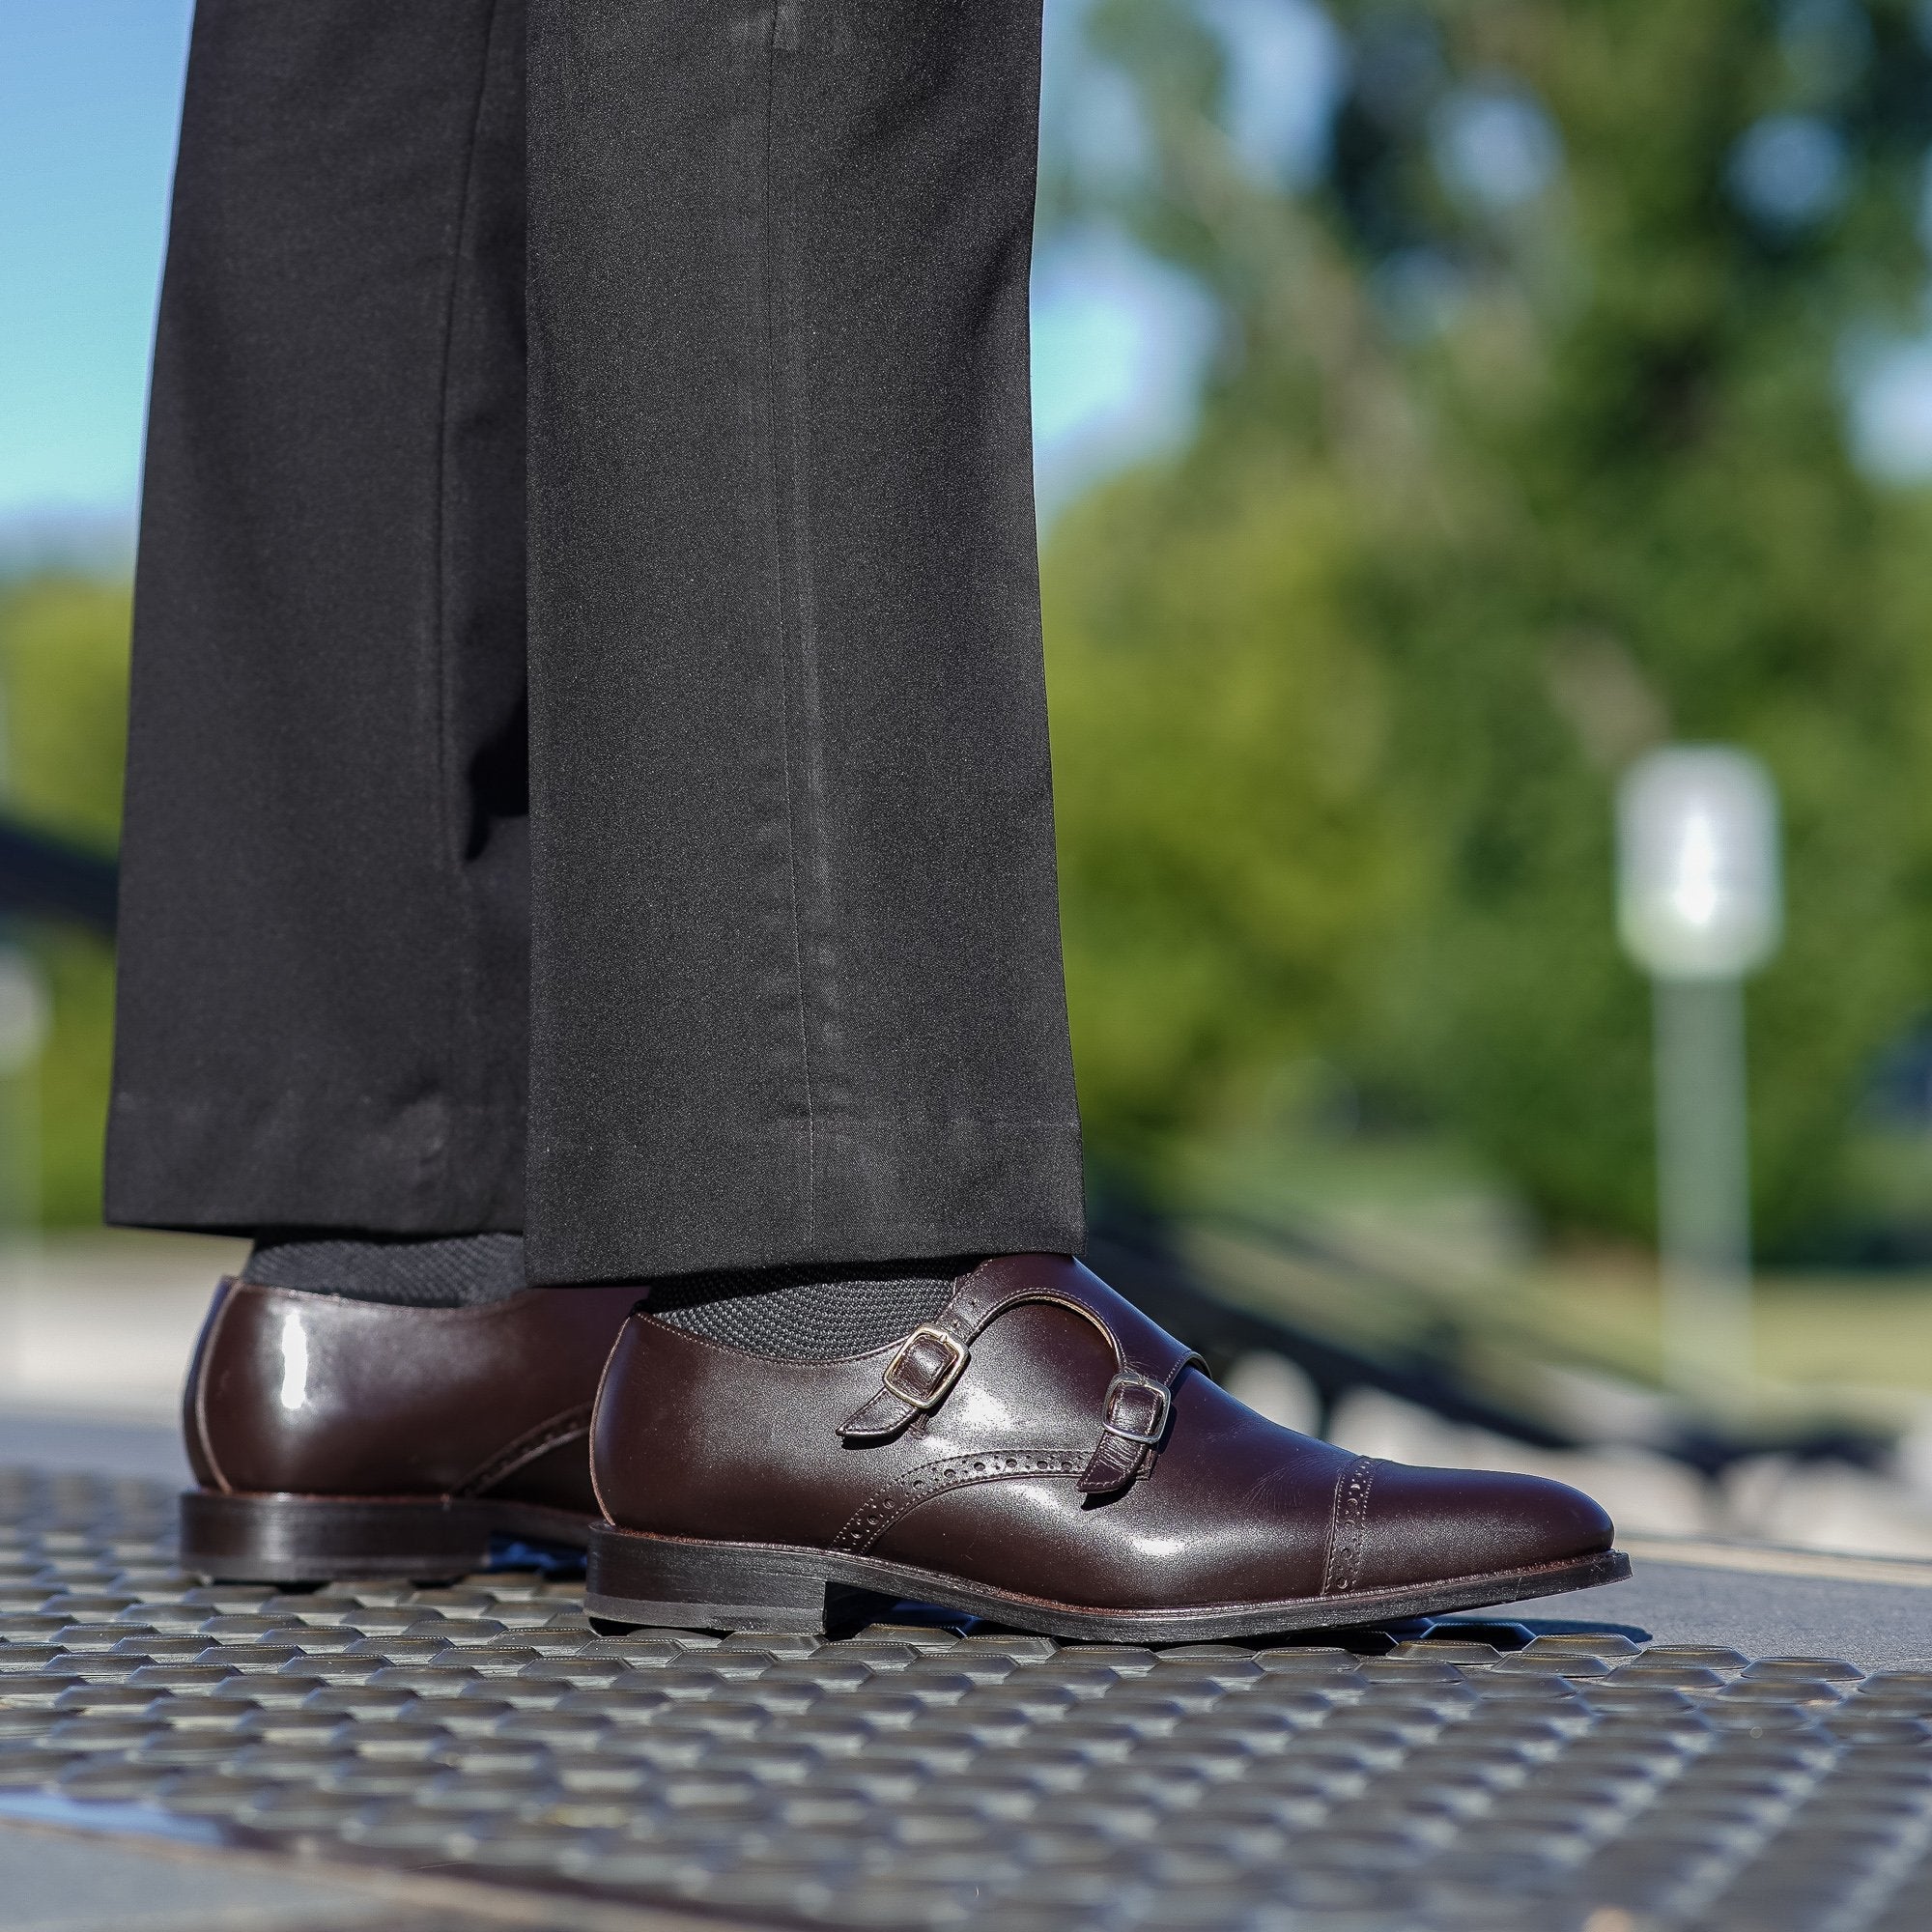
<point>931,1359</point>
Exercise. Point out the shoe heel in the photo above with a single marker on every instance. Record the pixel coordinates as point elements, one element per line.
<point>669,1582</point>
<point>285,1539</point>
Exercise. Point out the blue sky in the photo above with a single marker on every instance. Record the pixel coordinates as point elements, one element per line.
<point>90,90</point>
<point>90,93</point>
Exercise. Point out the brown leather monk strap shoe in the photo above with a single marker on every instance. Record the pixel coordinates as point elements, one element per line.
<point>334,1437</point>
<point>1041,1454</point>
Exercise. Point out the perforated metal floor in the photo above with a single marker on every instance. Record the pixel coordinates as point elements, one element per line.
<point>922,1775</point>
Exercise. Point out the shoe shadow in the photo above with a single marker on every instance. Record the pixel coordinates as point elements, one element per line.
<point>1367,1639</point>
<point>1475,1630</point>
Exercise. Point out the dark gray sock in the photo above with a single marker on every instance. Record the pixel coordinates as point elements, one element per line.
<point>459,1271</point>
<point>811,1312</point>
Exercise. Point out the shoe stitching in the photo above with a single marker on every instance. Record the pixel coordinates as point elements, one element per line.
<point>1347,1527</point>
<point>202,1372</point>
<point>886,1506</point>
<point>526,1448</point>
<point>512,1308</point>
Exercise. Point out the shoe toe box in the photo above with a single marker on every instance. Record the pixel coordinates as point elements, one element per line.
<point>1422,1526</point>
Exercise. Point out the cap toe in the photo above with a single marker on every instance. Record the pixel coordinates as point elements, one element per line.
<point>1425,1524</point>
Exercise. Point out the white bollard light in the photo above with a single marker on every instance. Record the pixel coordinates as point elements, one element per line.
<point>1699,904</point>
<point>24,1012</point>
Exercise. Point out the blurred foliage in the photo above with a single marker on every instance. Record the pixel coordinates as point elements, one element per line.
<point>1525,448</point>
<point>64,675</point>
<point>1230,857</point>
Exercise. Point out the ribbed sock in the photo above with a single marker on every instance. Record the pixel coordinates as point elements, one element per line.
<point>462,1271</point>
<point>813,1313</point>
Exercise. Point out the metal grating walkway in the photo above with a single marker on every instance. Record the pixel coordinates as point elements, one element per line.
<point>922,1774</point>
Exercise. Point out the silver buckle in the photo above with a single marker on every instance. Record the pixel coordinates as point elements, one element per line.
<point>954,1346</point>
<point>1164,1403</point>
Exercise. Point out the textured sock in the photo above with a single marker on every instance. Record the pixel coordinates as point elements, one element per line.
<point>465,1271</point>
<point>813,1313</point>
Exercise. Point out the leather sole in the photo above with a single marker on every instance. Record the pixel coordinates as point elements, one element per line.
<point>683,1583</point>
<point>300,1539</point>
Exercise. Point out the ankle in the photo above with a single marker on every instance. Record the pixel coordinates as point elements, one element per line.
<point>441,1271</point>
<point>808,1311</point>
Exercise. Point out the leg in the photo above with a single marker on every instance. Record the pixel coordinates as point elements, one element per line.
<point>797,988</point>
<point>323,931</point>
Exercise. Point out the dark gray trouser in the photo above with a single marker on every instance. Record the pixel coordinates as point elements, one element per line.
<point>691,903</point>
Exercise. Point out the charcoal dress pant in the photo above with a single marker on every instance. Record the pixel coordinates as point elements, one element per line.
<point>588,768</point>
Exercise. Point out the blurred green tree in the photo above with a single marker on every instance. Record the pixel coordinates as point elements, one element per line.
<point>64,684</point>
<point>1525,448</point>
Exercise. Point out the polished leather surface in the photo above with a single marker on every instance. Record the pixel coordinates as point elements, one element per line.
<point>695,1439</point>
<point>314,1394</point>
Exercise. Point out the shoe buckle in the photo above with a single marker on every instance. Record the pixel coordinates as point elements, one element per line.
<point>913,1381</point>
<point>1130,1381</point>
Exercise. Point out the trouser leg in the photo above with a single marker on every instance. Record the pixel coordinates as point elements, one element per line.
<point>325,899</point>
<point>795,955</point>
<point>796,992</point>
